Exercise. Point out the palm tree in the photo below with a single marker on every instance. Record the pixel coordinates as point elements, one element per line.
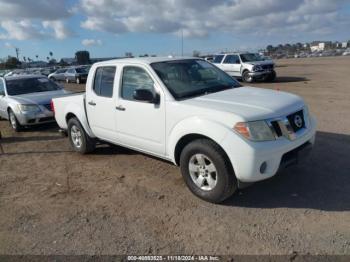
<point>51,54</point>
<point>37,57</point>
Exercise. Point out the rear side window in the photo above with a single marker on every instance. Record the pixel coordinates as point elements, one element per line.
<point>104,81</point>
<point>218,59</point>
<point>232,59</point>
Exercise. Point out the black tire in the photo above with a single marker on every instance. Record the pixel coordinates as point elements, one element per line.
<point>246,77</point>
<point>14,122</point>
<point>226,183</point>
<point>87,143</point>
<point>271,77</point>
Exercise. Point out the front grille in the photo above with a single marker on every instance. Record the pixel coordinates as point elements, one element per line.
<point>266,67</point>
<point>296,120</point>
<point>288,126</point>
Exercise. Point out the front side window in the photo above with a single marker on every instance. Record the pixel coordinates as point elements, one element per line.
<point>104,81</point>
<point>218,59</point>
<point>135,78</point>
<point>193,77</point>
<point>232,59</point>
<point>30,85</point>
<point>251,57</point>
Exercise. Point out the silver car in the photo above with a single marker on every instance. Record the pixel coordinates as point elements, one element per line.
<point>26,100</point>
<point>58,75</point>
<point>76,74</point>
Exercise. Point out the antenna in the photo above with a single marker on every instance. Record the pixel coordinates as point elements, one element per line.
<point>17,52</point>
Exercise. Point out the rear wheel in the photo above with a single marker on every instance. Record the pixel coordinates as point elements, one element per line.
<point>207,171</point>
<point>14,122</point>
<point>246,77</point>
<point>79,139</point>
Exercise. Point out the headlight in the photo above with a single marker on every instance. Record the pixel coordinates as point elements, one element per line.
<point>29,108</point>
<point>255,131</point>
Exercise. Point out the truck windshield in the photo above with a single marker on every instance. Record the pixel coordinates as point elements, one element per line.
<point>193,77</point>
<point>23,86</point>
<point>251,57</point>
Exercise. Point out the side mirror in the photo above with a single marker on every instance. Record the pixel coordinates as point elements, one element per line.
<point>2,93</point>
<point>146,95</point>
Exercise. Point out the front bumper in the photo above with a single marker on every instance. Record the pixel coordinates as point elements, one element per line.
<point>35,118</point>
<point>247,162</point>
<point>260,73</point>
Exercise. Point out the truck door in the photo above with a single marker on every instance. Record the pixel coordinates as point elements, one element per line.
<point>140,124</point>
<point>100,102</point>
<point>232,65</point>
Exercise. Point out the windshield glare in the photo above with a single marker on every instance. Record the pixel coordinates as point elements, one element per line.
<point>189,78</point>
<point>251,57</point>
<point>30,85</point>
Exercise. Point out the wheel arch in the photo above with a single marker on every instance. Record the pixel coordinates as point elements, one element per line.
<point>192,129</point>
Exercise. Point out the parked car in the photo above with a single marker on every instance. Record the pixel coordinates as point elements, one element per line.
<point>193,114</point>
<point>25,100</point>
<point>76,74</point>
<point>246,66</point>
<point>58,75</point>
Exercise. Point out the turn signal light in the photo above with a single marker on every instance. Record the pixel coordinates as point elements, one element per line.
<point>242,128</point>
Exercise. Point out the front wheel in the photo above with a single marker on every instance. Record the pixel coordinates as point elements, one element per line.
<point>271,77</point>
<point>246,77</point>
<point>14,122</point>
<point>207,171</point>
<point>79,139</point>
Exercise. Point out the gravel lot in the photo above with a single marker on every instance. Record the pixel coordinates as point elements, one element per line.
<point>117,201</point>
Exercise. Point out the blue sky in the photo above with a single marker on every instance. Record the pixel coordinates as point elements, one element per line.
<point>109,28</point>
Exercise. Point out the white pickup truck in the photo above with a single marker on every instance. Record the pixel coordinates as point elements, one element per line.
<point>191,113</point>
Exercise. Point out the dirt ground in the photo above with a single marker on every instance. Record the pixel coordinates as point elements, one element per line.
<point>117,201</point>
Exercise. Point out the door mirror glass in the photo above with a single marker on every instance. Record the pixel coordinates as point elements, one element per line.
<point>145,95</point>
<point>2,93</point>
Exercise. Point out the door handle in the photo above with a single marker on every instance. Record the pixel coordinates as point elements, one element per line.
<point>120,108</point>
<point>92,103</point>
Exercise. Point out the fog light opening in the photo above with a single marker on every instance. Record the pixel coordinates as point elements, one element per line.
<point>263,168</point>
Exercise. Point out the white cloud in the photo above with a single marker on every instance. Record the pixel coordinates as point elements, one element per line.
<point>198,18</point>
<point>60,31</point>
<point>33,19</point>
<point>20,30</point>
<point>91,42</point>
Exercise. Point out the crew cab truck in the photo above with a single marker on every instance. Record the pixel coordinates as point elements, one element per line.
<point>246,66</point>
<point>189,112</point>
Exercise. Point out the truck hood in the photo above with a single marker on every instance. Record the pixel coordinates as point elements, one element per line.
<point>41,98</point>
<point>250,103</point>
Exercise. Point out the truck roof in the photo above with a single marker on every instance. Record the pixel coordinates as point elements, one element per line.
<point>145,60</point>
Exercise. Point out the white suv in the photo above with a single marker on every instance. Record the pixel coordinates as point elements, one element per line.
<point>246,66</point>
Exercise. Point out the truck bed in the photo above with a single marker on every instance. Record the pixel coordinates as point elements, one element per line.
<point>66,106</point>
